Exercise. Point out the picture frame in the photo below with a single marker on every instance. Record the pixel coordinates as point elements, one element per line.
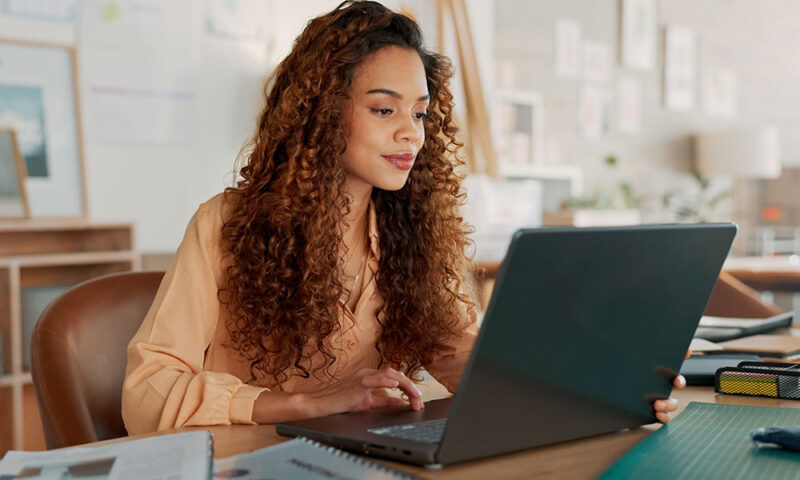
<point>596,61</point>
<point>680,68</point>
<point>13,197</point>
<point>567,48</point>
<point>629,105</point>
<point>638,34</point>
<point>594,111</point>
<point>720,92</point>
<point>517,129</point>
<point>39,99</point>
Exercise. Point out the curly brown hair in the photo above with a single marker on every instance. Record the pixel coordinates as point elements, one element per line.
<point>284,279</point>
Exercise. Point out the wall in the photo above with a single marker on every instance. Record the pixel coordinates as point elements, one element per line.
<point>757,40</point>
<point>160,188</point>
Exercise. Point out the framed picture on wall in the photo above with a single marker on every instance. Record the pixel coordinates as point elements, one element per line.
<point>39,100</point>
<point>639,34</point>
<point>517,129</point>
<point>680,68</point>
<point>13,200</point>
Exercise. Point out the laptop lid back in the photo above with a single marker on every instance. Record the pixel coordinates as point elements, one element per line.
<point>585,328</point>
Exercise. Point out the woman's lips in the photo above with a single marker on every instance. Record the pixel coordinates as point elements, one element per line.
<point>403,161</point>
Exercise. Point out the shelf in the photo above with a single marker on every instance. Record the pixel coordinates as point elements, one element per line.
<point>38,237</point>
<point>6,419</point>
<point>571,173</point>
<point>38,261</point>
<point>89,258</point>
<point>19,378</point>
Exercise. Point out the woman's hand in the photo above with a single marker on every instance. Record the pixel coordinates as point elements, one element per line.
<point>362,391</point>
<point>664,407</point>
<point>357,393</point>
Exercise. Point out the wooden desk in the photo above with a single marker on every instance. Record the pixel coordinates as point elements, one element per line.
<point>585,458</point>
<point>774,274</point>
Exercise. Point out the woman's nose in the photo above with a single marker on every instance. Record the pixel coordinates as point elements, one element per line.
<point>409,131</point>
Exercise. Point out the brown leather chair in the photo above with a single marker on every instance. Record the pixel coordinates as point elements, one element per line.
<point>79,355</point>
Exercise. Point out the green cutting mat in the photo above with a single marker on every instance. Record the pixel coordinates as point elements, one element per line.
<point>709,441</point>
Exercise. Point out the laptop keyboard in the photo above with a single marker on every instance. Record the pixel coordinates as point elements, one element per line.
<point>428,431</point>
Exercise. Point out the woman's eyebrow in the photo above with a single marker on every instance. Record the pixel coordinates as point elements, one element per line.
<point>392,93</point>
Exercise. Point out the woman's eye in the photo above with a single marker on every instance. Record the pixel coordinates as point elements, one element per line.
<point>420,116</point>
<point>382,111</point>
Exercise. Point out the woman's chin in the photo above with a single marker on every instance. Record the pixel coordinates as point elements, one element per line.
<point>392,185</point>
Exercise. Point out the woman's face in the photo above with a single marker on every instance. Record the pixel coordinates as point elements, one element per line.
<point>389,99</point>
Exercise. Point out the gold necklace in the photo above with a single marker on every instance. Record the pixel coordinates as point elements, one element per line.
<point>358,273</point>
<point>360,268</point>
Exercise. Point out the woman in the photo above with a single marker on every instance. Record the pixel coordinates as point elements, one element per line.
<point>333,269</point>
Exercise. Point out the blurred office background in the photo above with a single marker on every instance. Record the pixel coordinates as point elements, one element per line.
<point>168,92</point>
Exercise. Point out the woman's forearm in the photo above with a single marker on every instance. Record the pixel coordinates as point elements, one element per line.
<point>276,407</point>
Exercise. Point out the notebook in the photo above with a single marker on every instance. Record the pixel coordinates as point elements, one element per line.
<point>586,327</point>
<point>777,346</point>
<point>718,329</point>
<point>710,441</point>
<point>303,459</point>
<point>700,369</point>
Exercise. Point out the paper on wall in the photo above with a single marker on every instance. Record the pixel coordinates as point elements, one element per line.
<point>594,111</point>
<point>568,48</point>
<point>720,92</point>
<point>629,105</point>
<point>139,65</point>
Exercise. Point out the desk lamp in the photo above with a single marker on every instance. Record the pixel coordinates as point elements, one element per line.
<point>741,154</point>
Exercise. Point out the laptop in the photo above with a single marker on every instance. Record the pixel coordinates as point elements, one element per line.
<point>585,328</point>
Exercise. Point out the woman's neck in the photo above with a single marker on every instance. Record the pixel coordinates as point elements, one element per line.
<point>355,222</point>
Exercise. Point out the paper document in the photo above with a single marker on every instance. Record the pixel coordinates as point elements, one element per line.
<point>303,459</point>
<point>718,329</point>
<point>177,456</point>
<point>703,345</point>
<point>731,322</point>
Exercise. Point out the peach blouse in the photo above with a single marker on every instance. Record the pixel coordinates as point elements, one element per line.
<point>181,370</point>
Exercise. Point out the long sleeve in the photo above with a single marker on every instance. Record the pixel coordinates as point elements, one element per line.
<point>448,365</point>
<point>165,384</point>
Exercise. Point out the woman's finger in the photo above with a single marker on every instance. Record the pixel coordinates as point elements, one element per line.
<point>379,380</point>
<point>382,402</point>
<point>407,386</point>
<point>679,381</point>
<point>663,417</point>
<point>667,405</point>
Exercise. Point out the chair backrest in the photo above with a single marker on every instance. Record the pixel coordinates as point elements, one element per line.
<point>79,356</point>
